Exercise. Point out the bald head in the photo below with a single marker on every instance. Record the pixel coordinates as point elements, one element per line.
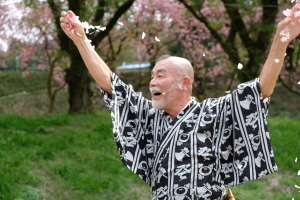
<point>180,65</point>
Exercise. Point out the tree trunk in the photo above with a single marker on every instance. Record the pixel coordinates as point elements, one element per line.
<point>79,81</point>
<point>77,75</point>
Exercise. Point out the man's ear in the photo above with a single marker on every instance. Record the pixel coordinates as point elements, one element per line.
<point>186,83</point>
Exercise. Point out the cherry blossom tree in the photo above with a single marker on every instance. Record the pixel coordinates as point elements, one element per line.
<point>33,42</point>
<point>243,30</point>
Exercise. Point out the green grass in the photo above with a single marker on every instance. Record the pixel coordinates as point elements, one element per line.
<point>62,157</point>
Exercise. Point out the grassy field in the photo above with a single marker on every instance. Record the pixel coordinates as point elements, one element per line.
<point>61,157</point>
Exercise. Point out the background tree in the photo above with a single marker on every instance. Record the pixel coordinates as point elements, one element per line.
<point>250,27</point>
<point>101,12</point>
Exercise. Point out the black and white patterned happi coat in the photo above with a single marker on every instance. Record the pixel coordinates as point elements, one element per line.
<point>220,141</point>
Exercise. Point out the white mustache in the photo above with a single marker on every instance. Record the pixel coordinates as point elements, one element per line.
<point>155,89</point>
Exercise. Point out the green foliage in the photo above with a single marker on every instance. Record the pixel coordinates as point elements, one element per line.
<point>35,81</point>
<point>74,157</point>
<point>63,157</point>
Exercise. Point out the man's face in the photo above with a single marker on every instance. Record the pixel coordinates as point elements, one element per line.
<point>163,85</point>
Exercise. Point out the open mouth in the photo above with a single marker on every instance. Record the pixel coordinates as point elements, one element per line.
<point>157,93</point>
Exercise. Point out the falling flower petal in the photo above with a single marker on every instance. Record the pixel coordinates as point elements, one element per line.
<point>297,186</point>
<point>227,92</point>
<point>120,23</point>
<point>240,66</point>
<point>239,166</point>
<point>299,173</point>
<point>277,60</point>
<point>287,12</point>
<point>285,34</point>
<point>297,13</point>
<point>266,100</point>
<point>296,159</point>
<point>284,39</point>
<point>143,35</point>
<point>85,25</point>
<point>87,40</point>
<point>285,54</point>
<point>284,31</point>
<point>156,39</point>
<point>192,190</point>
<point>92,48</point>
<point>204,54</point>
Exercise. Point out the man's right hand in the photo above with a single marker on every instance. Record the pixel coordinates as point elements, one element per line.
<point>72,26</point>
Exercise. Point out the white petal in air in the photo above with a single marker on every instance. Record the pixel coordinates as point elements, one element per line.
<point>88,40</point>
<point>120,23</point>
<point>85,24</point>
<point>296,159</point>
<point>299,173</point>
<point>227,92</point>
<point>284,39</point>
<point>277,60</point>
<point>299,82</point>
<point>204,54</point>
<point>287,12</point>
<point>92,48</point>
<point>156,39</point>
<point>240,66</point>
<point>266,100</point>
<point>239,166</point>
<point>297,186</point>
<point>143,35</point>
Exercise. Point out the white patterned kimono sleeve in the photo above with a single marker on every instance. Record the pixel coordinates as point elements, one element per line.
<point>242,143</point>
<point>129,116</point>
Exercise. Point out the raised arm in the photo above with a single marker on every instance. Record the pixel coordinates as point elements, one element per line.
<point>272,67</point>
<point>96,66</point>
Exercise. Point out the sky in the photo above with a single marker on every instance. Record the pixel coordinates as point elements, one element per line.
<point>8,30</point>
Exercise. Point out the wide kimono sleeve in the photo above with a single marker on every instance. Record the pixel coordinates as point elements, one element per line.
<point>129,112</point>
<point>242,141</point>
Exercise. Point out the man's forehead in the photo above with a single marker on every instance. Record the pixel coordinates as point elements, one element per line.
<point>164,66</point>
<point>159,70</point>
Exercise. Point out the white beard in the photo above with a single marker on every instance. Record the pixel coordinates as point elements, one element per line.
<point>160,104</point>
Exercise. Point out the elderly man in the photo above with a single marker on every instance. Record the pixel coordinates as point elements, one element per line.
<point>182,148</point>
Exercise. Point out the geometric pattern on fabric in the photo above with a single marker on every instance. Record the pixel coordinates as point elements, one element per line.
<point>218,142</point>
